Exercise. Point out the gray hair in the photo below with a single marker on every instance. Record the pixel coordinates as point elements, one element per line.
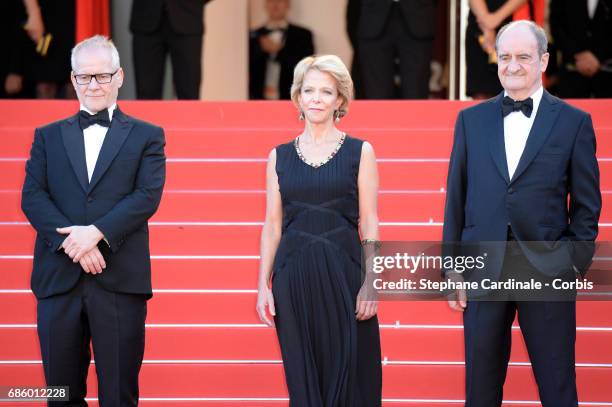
<point>537,31</point>
<point>96,42</point>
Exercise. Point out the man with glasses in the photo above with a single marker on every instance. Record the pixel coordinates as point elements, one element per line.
<point>92,182</point>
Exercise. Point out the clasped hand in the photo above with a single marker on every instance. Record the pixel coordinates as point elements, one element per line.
<point>587,63</point>
<point>81,247</point>
<point>489,21</point>
<point>269,45</point>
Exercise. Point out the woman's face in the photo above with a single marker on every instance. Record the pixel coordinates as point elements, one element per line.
<point>319,97</point>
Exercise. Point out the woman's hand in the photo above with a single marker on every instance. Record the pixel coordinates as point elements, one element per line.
<point>367,183</point>
<point>487,41</point>
<point>489,21</point>
<point>492,20</point>
<point>13,83</point>
<point>270,237</point>
<point>35,27</point>
<point>365,309</point>
<point>265,299</point>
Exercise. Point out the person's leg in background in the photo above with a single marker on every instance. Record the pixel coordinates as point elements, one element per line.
<point>602,85</point>
<point>574,85</point>
<point>186,56</point>
<point>414,66</point>
<point>149,53</point>
<point>377,62</point>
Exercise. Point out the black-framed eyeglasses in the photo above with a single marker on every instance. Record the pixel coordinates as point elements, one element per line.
<point>101,78</point>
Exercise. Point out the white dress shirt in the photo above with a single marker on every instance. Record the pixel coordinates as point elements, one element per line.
<point>273,68</point>
<point>516,130</point>
<point>93,136</point>
<point>592,7</point>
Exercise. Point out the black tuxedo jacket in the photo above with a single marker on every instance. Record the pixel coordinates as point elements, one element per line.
<point>124,192</point>
<point>298,45</point>
<point>418,16</point>
<point>186,16</point>
<point>558,161</point>
<point>573,31</point>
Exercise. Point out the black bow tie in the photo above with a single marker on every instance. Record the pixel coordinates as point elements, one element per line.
<point>101,118</point>
<point>509,105</point>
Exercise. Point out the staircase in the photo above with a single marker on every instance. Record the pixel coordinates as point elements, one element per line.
<point>205,345</point>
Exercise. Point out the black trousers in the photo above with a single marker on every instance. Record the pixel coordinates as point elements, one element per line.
<point>150,51</point>
<point>549,330</point>
<point>574,85</point>
<point>114,323</point>
<point>377,58</point>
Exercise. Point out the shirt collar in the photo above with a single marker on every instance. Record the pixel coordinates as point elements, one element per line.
<point>110,110</point>
<point>592,7</point>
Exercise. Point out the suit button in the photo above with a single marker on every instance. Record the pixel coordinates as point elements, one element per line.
<point>89,199</point>
<point>510,190</point>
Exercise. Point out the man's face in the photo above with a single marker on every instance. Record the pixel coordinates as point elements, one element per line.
<point>95,96</point>
<point>519,66</point>
<point>277,9</point>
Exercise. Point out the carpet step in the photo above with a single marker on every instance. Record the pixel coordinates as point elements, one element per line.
<point>251,175</point>
<point>179,206</point>
<point>373,115</point>
<point>226,239</point>
<point>267,380</point>
<point>257,143</point>
<point>239,308</point>
<point>204,206</point>
<point>204,343</point>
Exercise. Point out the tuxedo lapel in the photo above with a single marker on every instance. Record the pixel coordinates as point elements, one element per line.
<point>540,130</point>
<point>72,136</point>
<point>494,129</point>
<point>114,139</point>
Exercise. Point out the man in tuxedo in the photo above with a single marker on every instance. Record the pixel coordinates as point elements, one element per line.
<point>274,50</point>
<point>353,11</point>
<point>515,160</point>
<point>162,27</point>
<point>583,33</point>
<point>92,182</point>
<point>396,29</point>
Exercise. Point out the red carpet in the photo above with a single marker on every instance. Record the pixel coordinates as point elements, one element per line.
<point>205,345</point>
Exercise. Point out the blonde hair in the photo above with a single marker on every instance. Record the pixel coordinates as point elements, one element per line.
<point>331,65</point>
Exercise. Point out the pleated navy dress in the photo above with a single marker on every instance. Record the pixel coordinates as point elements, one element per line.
<point>330,358</point>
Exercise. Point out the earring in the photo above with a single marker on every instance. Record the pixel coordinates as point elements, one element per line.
<point>301,116</point>
<point>337,116</point>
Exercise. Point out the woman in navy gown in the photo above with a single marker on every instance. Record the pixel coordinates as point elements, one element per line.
<point>321,195</point>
